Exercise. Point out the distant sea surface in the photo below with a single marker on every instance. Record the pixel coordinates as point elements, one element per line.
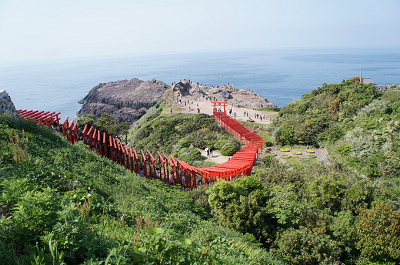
<point>279,75</point>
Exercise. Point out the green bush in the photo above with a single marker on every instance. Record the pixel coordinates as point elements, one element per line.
<point>230,148</point>
<point>303,246</point>
<point>189,155</point>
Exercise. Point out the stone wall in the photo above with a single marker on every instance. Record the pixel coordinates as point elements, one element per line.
<point>5,103</point>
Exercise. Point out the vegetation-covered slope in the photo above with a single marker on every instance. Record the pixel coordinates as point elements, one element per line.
<point>360,125</point>
<point>64,203</point>
<point>175,133</point>
<point>314,119</point>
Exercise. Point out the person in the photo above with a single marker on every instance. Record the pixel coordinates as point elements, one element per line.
<point>211,154</point>
<point>208,151</point>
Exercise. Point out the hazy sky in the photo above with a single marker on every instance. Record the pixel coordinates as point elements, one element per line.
<point>55,29</point>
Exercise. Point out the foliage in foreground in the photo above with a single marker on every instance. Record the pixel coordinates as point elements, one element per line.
<point>308,213</point>
<point>63,204</point>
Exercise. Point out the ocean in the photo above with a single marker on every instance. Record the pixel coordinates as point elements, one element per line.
<point>281,76</point>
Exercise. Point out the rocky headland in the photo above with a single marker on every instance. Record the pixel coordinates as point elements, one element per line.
<point>126,100</point>
<point>228,93</point>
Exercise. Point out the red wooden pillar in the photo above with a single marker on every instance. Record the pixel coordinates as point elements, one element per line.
<point>120,156</point>
<point>144,165</point>
<point>162,162</point>
<point>169,172</point>
<point>131,160</point>
<point>177,179</point>
<point>110,140</point>
<point>105,145</point>
<point>100,143</point>
<point>116,153</point>
<point>137,168</point>
<point>84,133</point>
<point>89,137</point>
<point>70,133</point>
<point>94,139</point>
<point>74,133</point>
<point>128,164</point>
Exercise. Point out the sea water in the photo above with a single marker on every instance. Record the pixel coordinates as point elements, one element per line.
<point>281,76</point>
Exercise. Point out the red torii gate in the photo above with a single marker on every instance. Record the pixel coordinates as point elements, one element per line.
<point>219,104</point>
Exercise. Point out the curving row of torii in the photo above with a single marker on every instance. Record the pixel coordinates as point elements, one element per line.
<point>167,169</point>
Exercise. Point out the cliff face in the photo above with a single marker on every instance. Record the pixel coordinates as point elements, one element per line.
<point>221,93</point>
<point>127,100</point>
<point>6,103</point>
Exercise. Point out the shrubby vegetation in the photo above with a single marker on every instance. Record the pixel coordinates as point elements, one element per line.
<point>106,123</point>
<point>313,119</point>
<point>308,213</point>
<point>176,133</point>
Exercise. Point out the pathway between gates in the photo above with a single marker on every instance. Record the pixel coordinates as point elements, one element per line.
<point>160,166</point>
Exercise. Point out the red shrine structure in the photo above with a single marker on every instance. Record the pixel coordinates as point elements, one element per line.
<point>167,169</point>
<point>216,104</point>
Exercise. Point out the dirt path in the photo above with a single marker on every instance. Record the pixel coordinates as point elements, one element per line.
<point>216,157</point>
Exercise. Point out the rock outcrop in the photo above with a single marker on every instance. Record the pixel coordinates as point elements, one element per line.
<point>6,104</point>
<point>127,100</point>
<point>221,93</point>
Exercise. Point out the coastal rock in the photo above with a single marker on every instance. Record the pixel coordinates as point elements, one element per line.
<point>221,93</point>
<point>6,104</point>
<point>127,100</point>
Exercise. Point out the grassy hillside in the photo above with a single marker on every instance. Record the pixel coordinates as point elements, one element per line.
<point>64,203</point>
<point>175,133</point>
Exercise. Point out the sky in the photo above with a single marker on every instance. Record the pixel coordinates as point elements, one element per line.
<point>40,30</point>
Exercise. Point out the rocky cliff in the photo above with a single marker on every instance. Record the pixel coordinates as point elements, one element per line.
<point>127,100</point>
<point>6,104</point>
<point>221,93</point>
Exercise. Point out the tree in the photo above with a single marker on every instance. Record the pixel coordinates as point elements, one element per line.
<point>379,233</point>
<point>106,123</point>
<point>304,246</point>
<point>242,205</point>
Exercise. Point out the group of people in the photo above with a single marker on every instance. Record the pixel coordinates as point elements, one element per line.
<point>187,103</point>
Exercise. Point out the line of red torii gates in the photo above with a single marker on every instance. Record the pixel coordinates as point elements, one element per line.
<point>169,170</point>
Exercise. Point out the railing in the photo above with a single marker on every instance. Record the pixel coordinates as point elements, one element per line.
<point>171,171</point>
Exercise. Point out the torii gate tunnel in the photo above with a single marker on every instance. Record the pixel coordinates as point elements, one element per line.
<point>216,104</point>
<point>171,171</point>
